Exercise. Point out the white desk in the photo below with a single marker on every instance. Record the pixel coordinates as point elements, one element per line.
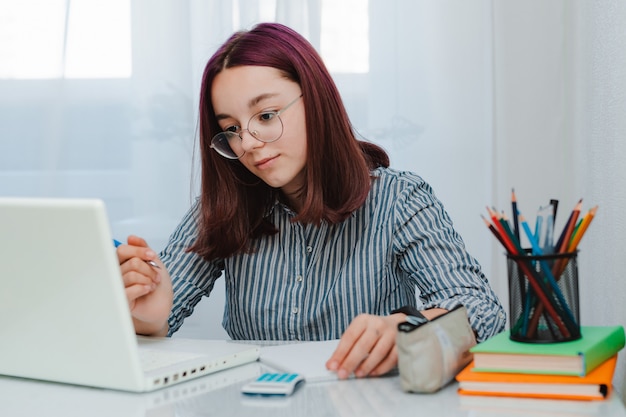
<point>218,395</point>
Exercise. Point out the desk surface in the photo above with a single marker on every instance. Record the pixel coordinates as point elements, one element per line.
<point>218,395</point>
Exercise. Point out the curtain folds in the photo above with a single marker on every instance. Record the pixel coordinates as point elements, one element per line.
<point>412,76</point>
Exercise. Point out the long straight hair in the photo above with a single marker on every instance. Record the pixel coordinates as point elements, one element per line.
<point>234,202</point>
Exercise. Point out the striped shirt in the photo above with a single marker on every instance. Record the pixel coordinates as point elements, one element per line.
<point>308,282</point>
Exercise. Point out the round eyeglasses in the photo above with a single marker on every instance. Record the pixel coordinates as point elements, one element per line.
<point>265,126</point>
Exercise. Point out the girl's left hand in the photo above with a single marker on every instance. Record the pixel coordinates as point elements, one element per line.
<point>367,347</point>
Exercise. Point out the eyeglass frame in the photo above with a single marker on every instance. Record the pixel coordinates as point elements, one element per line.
<point>276,113</point>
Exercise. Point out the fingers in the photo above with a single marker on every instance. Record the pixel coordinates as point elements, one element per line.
<point>344,351</point>
<point>136,241</point>
<point>137,272</point>
<point>148,286</point>
<point>378,356</point>
<point>366,348</point>
<point>386,365</point>
<point>136,248</point>
<point>139,279</point>
<point>139,276</point>
<point>134,292</point>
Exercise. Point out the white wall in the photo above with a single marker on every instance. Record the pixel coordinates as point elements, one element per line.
<point>560,132</point>
<point>430,98</point>
<point>599,117</point>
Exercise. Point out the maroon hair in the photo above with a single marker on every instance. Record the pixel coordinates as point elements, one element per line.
<point>234,202</point>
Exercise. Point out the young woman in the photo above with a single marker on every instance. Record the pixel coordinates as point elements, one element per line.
<point>316,237</point>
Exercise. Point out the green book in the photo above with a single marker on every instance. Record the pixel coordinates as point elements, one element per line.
<point>576,357</point>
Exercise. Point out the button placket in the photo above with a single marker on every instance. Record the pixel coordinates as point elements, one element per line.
<point>300,256</point>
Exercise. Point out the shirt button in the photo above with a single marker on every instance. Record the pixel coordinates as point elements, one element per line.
<point>299,278</point>
<point>295,310</point>
<point>309,249</point>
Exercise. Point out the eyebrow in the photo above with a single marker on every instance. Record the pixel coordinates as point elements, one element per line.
<point>251,103</point>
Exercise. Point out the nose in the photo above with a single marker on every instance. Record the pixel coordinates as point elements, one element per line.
<point>249,140</point>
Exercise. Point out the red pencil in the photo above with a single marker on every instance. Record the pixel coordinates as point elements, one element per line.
<point>559,266</point>
<point>493,230</point>
<point>534,282</point>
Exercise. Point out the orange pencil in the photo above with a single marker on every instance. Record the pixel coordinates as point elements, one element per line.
<point>559,266</point>
<point>533,280</point>
<point>575,240</point>
<point>569,228</point>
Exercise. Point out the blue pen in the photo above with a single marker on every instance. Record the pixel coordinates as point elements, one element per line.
<point>151,263</point>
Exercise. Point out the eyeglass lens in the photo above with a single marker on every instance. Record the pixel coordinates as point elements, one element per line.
<point>263,126</point>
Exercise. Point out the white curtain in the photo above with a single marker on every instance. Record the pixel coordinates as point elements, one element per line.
<point>477,97</point>
<point>130,140</point>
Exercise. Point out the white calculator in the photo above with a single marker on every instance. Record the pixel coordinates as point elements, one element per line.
<point>273,384</point>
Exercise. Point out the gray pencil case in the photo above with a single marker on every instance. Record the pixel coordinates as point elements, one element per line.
<point>430,354</point>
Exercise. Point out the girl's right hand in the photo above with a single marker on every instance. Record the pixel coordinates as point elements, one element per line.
<point>148,287</point>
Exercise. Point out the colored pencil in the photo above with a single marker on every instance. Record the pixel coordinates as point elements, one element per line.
<point>508,244</point>
<point>584,224</point>
<point>561,246</point>
<point>493,230</point>
<point>515,219</point>
<point>549,276</point>
<point>540,292</point>
<point>536,283</point>
<point>507,228</point>
<point>566,235</point>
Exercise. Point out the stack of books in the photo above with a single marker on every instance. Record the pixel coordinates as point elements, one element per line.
<point>581,369</point>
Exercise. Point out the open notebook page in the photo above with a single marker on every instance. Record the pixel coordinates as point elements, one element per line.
<point>306,358</point>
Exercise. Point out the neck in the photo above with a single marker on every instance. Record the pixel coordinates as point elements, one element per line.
<point>291,200</point>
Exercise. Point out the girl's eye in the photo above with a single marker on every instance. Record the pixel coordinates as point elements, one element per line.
<point>233,129</point>
<point>266,117</point>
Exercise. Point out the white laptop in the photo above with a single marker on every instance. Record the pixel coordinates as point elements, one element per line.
<point>64,316</point>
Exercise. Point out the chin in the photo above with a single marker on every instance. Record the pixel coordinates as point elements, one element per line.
<point>275,184</point>
<point>272,182</point>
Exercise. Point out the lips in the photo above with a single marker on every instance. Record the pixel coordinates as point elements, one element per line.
<point>263,163</point>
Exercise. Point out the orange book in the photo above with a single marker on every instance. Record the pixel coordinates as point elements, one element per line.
<point>596,385</point>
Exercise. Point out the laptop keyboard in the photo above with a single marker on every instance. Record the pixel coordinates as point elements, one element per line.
<point>152,359</point>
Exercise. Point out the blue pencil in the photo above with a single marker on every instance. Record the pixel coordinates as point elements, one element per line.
<point>546,269</point>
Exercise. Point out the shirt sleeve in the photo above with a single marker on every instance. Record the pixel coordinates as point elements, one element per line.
<point>433,254</point>
<point>192,276</point>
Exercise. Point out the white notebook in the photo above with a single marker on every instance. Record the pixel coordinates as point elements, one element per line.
<point>63,310</point>
<point>305,358</point>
